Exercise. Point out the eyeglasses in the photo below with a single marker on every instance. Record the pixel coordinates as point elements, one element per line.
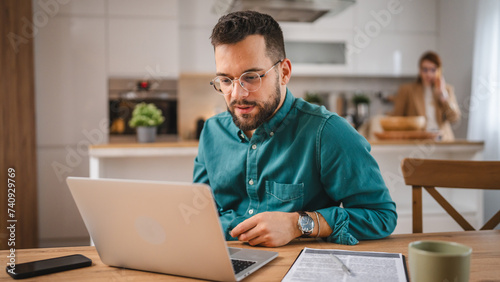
<point>432,70</point>
<point>250,81</point>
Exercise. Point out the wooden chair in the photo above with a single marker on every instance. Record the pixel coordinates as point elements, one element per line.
<point>449,174</point>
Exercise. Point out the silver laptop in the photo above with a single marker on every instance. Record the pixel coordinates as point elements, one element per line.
<point>164,227</point>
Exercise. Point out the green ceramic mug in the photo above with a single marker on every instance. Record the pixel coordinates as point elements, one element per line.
<point>439,261</point>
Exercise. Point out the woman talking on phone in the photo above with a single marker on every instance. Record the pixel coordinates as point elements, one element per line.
<point>429,96</point>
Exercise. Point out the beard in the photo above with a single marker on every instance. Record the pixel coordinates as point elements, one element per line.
<point>247,122</point>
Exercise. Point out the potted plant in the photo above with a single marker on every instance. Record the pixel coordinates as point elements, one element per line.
<point>146,117</point>
<point>313,98</point>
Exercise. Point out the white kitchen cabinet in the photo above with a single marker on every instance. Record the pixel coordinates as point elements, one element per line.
<point>143,8</point>
<point>71,113</point>
<point>196,20</point>
<point>60,221</point>
<point>72,8</point>
<point>143,47</point>
<point>397,15</point>
<point>197,13</point>
<point>310,34</point>
<point>417,16</point>
<point>378,11</point>
<point>196,51</point>
<point>70,80</point>
<point>393,54</point>
<point>384,37</point>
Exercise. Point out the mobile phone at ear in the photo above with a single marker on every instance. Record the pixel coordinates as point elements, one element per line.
<point>47,266</point>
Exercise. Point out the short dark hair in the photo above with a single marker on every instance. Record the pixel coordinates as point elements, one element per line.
<point>235,27</point>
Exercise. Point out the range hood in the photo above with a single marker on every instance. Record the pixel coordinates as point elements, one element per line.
<point>285,10</point>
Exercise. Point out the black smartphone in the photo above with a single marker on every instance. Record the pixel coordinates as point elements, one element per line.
<point>46,266</point>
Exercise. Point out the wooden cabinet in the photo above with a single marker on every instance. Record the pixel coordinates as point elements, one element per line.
<point>19,197</point>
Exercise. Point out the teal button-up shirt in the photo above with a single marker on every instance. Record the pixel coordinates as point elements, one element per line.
<point>304,158</point>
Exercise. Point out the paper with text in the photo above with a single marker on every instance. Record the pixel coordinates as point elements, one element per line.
<point>320,265</point>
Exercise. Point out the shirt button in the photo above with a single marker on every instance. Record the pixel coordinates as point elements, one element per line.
<point>250,211</point>
<point>250,182</point>
<point>271,134</point>
<point>254,146</point>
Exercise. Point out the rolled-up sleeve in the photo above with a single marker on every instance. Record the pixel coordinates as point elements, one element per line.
<point>352,177</point>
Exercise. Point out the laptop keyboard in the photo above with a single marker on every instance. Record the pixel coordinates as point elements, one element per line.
<point>240,265</point>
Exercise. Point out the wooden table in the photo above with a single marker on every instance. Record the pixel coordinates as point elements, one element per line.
<point>485,260</point>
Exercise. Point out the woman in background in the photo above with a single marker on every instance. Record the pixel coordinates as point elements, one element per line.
<point>429,96</point>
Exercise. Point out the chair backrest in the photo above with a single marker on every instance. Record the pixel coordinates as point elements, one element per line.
<point>428,174</point>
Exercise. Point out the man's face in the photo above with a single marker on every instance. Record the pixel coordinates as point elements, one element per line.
<point>249,109</point>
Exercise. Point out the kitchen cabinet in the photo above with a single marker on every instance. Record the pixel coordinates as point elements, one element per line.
<point>143,47</point>
<point>71,105</point>
<point>397,15</point>
<point>389,39</point>
<point>60,223</point>
<point>393,54</point>
<point>70,8</point>
<point>383,37</point>
<point>307,34</point>
<point>417,16</point>
<point>196,20</point>
<point>143,38</point>
<point>70,79</point>
<point>196,51</point>
<point>143,8</point>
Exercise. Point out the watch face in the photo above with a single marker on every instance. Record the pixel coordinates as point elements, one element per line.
<point>306,224</point>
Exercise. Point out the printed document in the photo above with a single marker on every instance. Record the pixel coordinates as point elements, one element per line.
<point>340,265</point>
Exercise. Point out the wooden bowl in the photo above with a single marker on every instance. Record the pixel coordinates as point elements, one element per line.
<point>403,123</point>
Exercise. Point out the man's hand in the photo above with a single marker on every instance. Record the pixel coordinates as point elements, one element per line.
<point>269,229</point>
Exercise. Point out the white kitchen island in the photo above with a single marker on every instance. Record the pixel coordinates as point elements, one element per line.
<point>174,162</point>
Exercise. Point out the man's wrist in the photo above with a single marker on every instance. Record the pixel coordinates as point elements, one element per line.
<point>295,220</point>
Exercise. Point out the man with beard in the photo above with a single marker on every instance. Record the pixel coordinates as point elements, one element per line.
<point>279,167</point>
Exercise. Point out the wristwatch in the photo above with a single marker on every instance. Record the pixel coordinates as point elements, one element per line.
<point>305,223</point>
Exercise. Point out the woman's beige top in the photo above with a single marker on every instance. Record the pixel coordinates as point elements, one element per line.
<point>410,101</point>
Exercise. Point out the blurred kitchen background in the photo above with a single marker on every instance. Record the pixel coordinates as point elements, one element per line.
<point>95,59</point>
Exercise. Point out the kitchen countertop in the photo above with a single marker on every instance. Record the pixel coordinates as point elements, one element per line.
<point>185,148</point>
<point>195,144</point>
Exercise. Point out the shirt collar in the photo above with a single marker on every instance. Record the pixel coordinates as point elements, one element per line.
<point>271,125</point>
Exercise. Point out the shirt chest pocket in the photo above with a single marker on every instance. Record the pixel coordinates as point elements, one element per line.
<point>284,197</point>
